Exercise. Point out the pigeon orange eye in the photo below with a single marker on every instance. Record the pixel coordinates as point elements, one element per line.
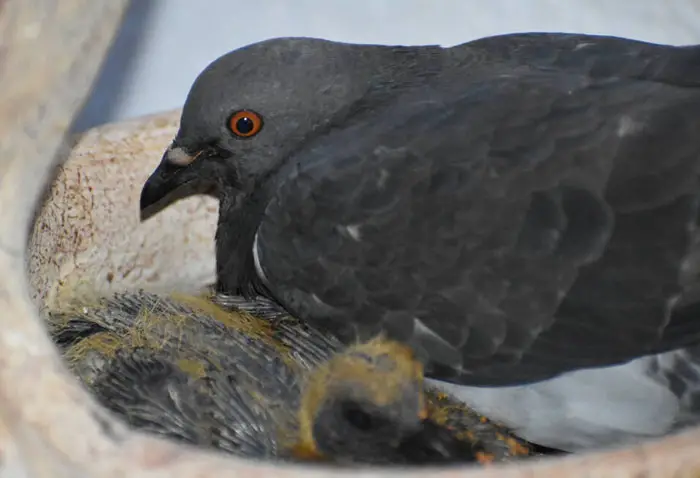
<point>245,123</point>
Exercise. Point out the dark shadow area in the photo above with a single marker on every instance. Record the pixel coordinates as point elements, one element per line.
<point>108,88</point>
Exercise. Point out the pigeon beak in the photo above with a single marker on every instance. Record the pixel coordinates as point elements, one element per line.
<point>171,174</point>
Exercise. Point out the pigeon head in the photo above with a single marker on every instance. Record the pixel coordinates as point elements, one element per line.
<point>252,108</point>
<point>369,402</point>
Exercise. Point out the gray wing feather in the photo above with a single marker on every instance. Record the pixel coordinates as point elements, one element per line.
<point>479,223</point>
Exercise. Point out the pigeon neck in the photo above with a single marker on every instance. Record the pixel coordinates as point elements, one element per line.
<point>239,218</point>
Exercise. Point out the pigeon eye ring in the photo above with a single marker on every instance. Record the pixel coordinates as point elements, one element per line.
<point>245,123</point>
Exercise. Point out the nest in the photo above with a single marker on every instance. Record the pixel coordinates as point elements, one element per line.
<point>86,238</point>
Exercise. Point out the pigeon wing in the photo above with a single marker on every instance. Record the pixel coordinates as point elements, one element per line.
<point>510,227</point>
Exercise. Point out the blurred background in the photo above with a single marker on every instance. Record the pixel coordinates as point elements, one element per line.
<point>164,44</point>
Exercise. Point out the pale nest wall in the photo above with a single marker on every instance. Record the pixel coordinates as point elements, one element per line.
<point>87,238</point>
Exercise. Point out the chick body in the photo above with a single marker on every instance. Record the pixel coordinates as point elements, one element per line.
<point>246,378</point>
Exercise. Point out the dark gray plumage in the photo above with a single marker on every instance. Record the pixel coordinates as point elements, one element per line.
<point>514,208</point>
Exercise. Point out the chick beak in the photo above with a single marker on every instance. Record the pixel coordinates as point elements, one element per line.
<point>172,173</point>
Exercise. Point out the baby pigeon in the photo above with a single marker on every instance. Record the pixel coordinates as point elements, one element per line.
<point>266,386</point>
<point>521,210</point>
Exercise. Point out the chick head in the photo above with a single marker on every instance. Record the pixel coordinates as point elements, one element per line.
<point>362,402</point>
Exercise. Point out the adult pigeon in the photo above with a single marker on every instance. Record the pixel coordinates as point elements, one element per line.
<point>521,210</point>
<point>264,385</point>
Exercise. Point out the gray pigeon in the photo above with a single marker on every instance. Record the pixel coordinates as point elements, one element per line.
<point>521,210</point>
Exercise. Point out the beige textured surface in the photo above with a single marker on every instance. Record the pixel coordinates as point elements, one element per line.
<point>88,238</point>
<point>50,51</point>
<point>49,426</point>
